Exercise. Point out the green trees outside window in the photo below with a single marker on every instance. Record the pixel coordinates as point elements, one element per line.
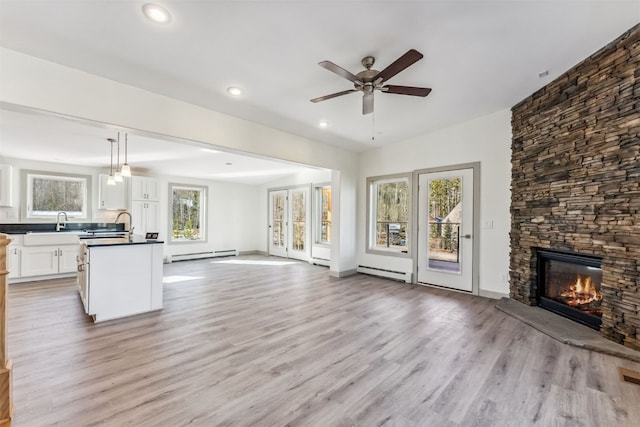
<point>389,213</point>
<point>46,194</point>
<point>187,211</point>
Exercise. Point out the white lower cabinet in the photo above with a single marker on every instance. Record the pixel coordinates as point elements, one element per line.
<point>67,262</point>
<point>122,280</point>
<point>48,260</point>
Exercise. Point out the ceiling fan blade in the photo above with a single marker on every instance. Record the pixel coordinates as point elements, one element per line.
<point>407,90</point>
<point>333,95</point>
<point>338,70</point>
<point>367,103</point>
<point>409,58</point>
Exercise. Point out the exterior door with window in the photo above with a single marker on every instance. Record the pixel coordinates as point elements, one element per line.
<point>278,223</point>
<point>445,229</point>
<point>288,223</point>
<point>298,230</point>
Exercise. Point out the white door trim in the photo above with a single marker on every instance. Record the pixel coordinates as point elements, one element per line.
<point>476,218</point>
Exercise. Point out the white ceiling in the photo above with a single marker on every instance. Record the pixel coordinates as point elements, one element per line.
<point>479,56</point>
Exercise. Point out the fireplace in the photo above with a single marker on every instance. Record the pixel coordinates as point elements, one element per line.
<point>569,285</point>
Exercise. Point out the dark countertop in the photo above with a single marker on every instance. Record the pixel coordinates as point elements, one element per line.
<point>93,243</point>
<point>87,227</point>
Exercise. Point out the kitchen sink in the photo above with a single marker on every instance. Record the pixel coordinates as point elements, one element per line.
<point>52,238</point>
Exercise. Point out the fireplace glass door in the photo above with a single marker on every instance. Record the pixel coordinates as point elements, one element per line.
<point>569,284</point>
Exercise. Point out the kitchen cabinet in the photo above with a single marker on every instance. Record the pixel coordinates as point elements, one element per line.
<point>145,216</point>
<point>132,288</point>
<point>113,197</point>
<point>5,185</point>
<point>14,260</point>
<point>48,260</point>
<point>144,188</point>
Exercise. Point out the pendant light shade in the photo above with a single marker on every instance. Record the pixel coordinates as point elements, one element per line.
<point>125,170</point>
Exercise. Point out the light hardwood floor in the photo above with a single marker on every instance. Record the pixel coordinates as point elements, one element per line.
<point>263,341</point>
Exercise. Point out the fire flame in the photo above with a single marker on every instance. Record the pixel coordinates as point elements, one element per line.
<point>583,291</point>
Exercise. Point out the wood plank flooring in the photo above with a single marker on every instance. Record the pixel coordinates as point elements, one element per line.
<point>257,341</point>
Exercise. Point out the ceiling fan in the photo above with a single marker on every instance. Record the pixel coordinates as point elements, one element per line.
<point>368,81</point>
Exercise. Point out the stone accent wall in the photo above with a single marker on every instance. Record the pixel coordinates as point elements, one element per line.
<point>576,179</point>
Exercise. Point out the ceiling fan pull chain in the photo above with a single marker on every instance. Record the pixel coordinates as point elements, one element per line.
<point>373,126</point>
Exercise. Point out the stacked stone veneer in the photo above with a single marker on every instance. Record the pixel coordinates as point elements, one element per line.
<point>576,179</point>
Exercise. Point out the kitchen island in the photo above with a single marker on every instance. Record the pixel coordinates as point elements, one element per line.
<point>118,277</point>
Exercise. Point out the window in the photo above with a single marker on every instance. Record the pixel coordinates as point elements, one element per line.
<point>188,213</point>
<point>48,193</point>
<point>299,219</point>
<point>323,214</point>
<point>389,214</point>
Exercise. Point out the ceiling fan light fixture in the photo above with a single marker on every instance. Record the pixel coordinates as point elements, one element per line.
<point>369,80</point>
<point>234,91</point>
<point>157,14</point>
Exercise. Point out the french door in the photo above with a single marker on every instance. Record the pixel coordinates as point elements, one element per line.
<point>278,223</point>
<point>445,229</point>
<point>289,230</point>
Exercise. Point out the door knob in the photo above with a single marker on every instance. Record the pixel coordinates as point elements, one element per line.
<point>467,236</point>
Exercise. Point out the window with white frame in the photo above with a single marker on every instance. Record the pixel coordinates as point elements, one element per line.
<point>323,214</point>
<point>188,214</point>
<point>48,193</point>
<point>389,213</point>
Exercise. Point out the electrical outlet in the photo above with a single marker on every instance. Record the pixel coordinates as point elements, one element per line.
<point>487,225</point>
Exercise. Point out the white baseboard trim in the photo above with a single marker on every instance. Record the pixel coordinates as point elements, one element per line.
<point>251,253</point>
<point>492,294</point>
<point>344,273</point>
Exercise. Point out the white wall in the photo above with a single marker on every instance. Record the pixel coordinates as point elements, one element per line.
<point>486,140</point>
<point>232,210</point>
<point>231,216</point>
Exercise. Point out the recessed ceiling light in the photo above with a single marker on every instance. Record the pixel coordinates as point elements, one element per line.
<point>234,91</point>
<point>323,123</point>
<point>210,150</point>
<point>157,14</point>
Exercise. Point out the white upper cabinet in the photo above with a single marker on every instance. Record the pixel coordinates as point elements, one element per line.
<point>5,185</point>
<point>111,196</point>
<point>143,188</point>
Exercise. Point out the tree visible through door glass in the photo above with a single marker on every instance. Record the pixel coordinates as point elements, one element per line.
<point>445,221</point>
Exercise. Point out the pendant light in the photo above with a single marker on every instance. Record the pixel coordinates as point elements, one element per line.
<point>118,175</point>
<point>111,179</point>
<point>125,170</point>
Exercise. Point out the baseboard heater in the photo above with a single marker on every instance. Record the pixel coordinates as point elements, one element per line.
<point>201,255</point>
<point>390,274</point>
<point>320,261</point>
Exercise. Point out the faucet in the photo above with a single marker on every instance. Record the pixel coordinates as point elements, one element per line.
<point>130,222</point>
<point>59,225</point>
